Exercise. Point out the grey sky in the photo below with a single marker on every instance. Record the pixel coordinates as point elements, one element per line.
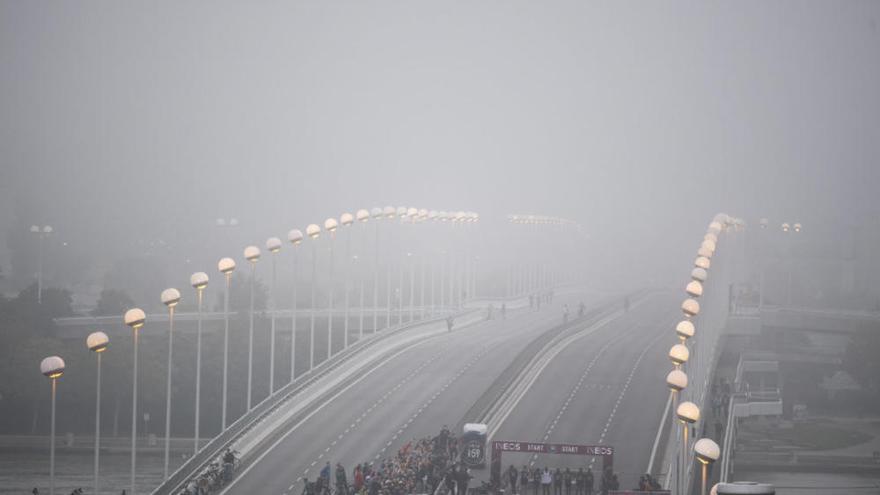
<point>627,116</point>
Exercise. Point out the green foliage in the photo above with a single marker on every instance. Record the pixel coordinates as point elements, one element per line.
<point>112,302</point>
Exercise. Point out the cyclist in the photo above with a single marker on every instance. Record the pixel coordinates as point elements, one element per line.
<point>308,488</point>
<point>341,481</point>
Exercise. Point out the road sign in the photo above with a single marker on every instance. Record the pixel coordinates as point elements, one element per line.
<point>501,446</point>
<point>473,445</point>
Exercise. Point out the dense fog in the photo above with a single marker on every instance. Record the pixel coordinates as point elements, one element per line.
<point>157,137</point>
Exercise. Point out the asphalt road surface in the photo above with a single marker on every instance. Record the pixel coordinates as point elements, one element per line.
<point>436,382</point>
<point>607,388</point>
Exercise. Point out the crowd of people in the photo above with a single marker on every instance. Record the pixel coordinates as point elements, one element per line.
<point>546,481</point>
<point>425,465</point>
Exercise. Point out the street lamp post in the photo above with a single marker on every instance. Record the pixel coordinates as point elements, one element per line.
<point>707,452</point>
<point>52,367</point>
<point>377,214</point>
<point>313,231</point>
<point>295,237</point>
<point>423,217</point>
<point>679,355</point>
<point>676,380</point>
<point>97,342</point>
<point>389,212</point>
<point>330,225</point>
<point>41,233</point>
<point>412,214</point>
<point>251,254</point>
<point>199,281</point>
<point>688,413</point>
<point>422,281</point>
<point>403,214</point>
<point>226,267</point>
<point>273,244</point>
<point>134,318</point>
<point>685,330</point>
<point>170,298</point>
<point>346,220</point>
<point>362,216</point>
<point>412,283</point>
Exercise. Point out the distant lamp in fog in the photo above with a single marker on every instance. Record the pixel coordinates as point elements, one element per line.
<point>688,412</point>
<point>690,307</point>
<point>715,228</point>
<point>679,354</point>
<point>685,330</point>
<point>705,253</point>
<point>702,262</point>
<point>330,225</point>
<point>199,280</point>
<point>295,237</point>
<point>170,297</point>
<point>389,211</point>
<point>797,227</point>
<point>764,223</point>
<point>699,274</point>
<point>362,215</point>
<point>707,452</point>
<point>711,237</point>
<point>52,367</point>
<point>313,231</point>
<point>97,341</point>
<point>273,244</point>
<point>376,212</point>
<point>401,211</point>
<point>252,254</point>
<point>694,288</point>
<point>677,380</point>
<point>708,244</point>
<point>134,318</point>
<point>786,227</point>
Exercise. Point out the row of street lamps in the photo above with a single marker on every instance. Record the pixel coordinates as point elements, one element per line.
<point>536,274</point>
<point>786,228</point>
<point>53,366</point>
<point>706,450</point>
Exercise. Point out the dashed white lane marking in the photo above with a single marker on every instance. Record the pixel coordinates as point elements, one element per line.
<point>452,380</point>
<point>632,373</point>
<point>574,391</point>
<point>375,404</point>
